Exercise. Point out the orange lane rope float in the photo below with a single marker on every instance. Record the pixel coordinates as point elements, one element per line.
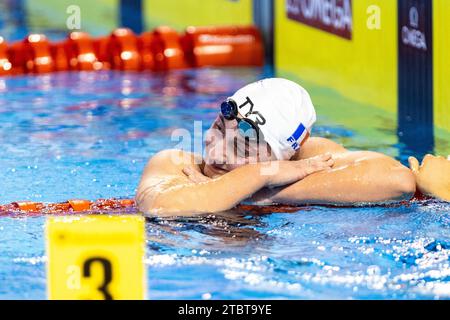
<point>159,50</point>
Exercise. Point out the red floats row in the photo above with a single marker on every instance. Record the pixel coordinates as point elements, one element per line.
<point>159,50</point>
<point>107,206</point>
<point>70,206</point>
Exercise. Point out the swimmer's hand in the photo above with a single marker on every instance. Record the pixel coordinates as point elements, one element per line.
<point>194,175</point>
<point>292,171</point>
<point>433,176</point>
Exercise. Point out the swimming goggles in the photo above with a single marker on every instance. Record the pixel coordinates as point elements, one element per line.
<point>247,128</point>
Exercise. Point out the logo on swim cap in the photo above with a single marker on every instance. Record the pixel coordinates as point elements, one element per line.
<point>259,119</point>
<point>296,136</point>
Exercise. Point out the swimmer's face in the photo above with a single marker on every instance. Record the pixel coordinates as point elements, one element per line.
<point>226,149</point>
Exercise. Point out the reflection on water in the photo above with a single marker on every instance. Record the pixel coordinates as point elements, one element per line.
<point>218,230</point>
<point>366,253</point>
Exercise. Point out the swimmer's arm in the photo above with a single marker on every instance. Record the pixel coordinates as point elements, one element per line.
<point>188,198</point>
<point>165,190</point>
<point>368,178</point>
<point>315,146</point>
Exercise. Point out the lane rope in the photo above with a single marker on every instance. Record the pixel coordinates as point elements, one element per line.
<point>68,207</point>
<point>162,49</point>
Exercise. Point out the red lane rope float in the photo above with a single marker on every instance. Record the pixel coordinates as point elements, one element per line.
<point>59,55</point>
<point>80,52</point>
<point>159,50</point>
<point>172,56</point>
<point>37,54</point>
<point>123,50</point>
<point>149,46</point>
<point>225,46</point>
<point>5,64</point>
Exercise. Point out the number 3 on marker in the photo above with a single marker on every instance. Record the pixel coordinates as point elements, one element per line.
<point>96,257</point>
<point>107,274</point>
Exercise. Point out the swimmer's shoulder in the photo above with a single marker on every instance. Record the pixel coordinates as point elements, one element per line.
<point>171,161</point>
<point>164,170</point>
<point>315,146</point>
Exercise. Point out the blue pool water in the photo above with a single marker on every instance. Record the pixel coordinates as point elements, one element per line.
<point>89,135</point>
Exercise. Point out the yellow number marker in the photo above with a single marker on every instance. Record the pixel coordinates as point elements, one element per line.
<point>96,257</point>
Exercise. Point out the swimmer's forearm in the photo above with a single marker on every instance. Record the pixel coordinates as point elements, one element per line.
<point>369,181</point>
<point>215,195</point>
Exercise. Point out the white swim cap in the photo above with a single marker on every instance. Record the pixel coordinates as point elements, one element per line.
<point>283,110</point>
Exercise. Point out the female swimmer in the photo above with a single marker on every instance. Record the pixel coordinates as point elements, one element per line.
<point>259,150</point>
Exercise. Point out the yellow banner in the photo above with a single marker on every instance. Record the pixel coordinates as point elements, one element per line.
<point>97,18</point>
<point>354,54</point>
<point>179,14</point>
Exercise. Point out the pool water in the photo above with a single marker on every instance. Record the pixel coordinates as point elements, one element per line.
<point>89,135</point>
